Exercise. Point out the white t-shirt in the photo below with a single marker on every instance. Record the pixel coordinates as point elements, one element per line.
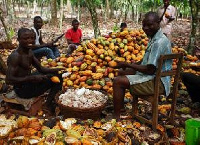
<point>37,42</point>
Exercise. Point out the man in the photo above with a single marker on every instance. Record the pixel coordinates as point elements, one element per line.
<point>27,84</point>
<point>73,36</point>
<point>40,48</point>
<point>142,83</point>
<point>192,83</point>
<point>123,26</point>
<point>167,14</point>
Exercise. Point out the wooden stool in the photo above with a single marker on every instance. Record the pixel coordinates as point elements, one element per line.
<point>28,107</point>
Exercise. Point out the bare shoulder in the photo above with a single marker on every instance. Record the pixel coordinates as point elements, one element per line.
<point>13,58</point>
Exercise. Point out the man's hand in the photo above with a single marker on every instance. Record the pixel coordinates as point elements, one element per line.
<point>37,78</point>
<point>170,18</point>
<point>57,70</point>
<point>50,44</point>
<point>121,64</point>
<point>127,71</point>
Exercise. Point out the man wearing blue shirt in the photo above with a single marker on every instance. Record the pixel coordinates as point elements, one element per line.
<point>142,82</point>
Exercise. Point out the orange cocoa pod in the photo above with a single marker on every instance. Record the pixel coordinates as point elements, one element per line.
<point>55,79</point>
<point>112,63</point>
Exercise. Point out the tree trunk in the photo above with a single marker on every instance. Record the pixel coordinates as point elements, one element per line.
<point>13,7</point>
<point>92,9</point>
<point>41,10</point>
<point>111,10</point>
<point>126,11</point>
<point>79,10</point>
<point>28,10</point>
<point>61,14</point>
<point>133,14</point>
<point>195,32</point>
<point>10,10</point>
<point>107,9</point>
<point>69,7</point>
<point>19,5</point>
<point>4,25</point>
<point>137,13</point>
<point>130,2</point>
<point>53,12</point>
<point>6,6</point>
<point>34,7</point>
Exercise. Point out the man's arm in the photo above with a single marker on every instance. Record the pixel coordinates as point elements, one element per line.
<point>42,69</point>
<point>149,69</point>
<point>42,44</point>
<point>69,41</point>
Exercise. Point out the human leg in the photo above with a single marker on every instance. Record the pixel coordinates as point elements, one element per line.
<point>120,84</point>
<point>44,51</point>
<point>55,88</point>
<point>70,49</point>
<point>56,52</point>
<point>192,83</point>
<point>30,90</point>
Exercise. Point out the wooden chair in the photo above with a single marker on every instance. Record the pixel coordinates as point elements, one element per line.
<point>154,98</point>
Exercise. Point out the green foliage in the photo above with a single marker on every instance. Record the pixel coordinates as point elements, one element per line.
<point>115,28</point>
<point>11,33</point>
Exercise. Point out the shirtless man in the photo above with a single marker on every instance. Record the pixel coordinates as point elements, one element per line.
<point>20,63</point>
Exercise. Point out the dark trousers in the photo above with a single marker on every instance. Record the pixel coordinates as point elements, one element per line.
<point>30,90</point>
<point>192,83</point>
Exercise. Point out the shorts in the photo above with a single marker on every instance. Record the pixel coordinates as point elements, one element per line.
<point>146,88</point>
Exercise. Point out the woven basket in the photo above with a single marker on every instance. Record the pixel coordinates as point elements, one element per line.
<point>82,113</point>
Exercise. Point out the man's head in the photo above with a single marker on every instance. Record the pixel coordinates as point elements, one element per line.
<point>26,37</point>
<point>166,3</point>
<point>38,22</point>
<point>75,24</point>
<point>122,26</point>
<point>151,23</point>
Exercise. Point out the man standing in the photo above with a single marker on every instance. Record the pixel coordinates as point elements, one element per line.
<point>40,48</point>
<point>73,36</point>
<point>26,84</point>
<point>167,14</point>
<point>142,82</point>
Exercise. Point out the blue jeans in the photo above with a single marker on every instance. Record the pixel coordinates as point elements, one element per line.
<point>48,52</point>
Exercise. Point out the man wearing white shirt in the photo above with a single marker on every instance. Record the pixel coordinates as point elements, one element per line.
<point>167,14</point>
<point>40,48</point>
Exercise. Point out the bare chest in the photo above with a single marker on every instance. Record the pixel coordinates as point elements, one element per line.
<point>26,63</point>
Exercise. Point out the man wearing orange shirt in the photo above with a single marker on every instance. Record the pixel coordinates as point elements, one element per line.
<point>73,36</point>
